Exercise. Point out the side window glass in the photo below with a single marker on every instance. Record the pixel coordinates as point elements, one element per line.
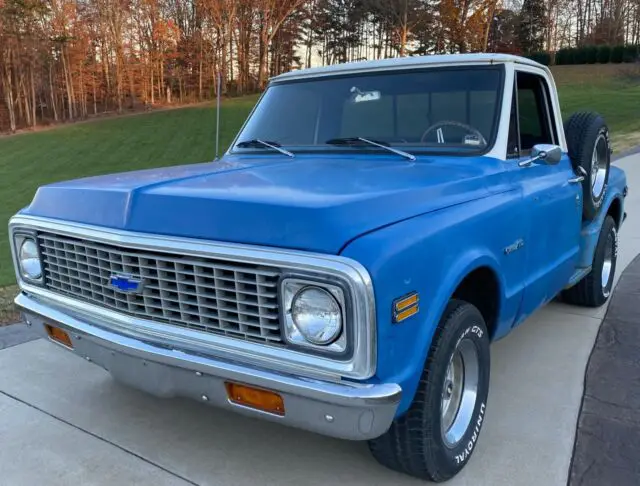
<point>534,111</point>
<point>530,120</point>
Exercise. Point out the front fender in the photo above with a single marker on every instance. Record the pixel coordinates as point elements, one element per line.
<point>431,254</point>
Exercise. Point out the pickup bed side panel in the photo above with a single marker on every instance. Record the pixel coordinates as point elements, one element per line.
<point>432,254</point>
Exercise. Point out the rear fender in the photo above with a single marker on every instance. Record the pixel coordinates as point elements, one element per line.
<point>590,231</point>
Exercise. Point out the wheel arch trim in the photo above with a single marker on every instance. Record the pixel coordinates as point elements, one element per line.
<point>590,231</point>
<point>469,262</point>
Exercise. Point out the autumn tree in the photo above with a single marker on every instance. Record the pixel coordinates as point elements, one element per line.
<point>271,15</point>
<point>64,60</point>
<point>503,34</point>
<point>402,18</point>
<point>531,32</point>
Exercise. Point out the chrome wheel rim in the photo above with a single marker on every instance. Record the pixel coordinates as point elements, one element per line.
<point>599,167</point>
<point>459,392</point>
<point>607,264</point>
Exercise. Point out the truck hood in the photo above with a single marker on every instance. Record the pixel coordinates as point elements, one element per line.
<point>309,203</point>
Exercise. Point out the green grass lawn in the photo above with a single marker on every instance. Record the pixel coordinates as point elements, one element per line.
<point>600,88</point>
<point>187,135</point>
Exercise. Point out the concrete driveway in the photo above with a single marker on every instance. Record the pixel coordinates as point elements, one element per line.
<point>65,422</point>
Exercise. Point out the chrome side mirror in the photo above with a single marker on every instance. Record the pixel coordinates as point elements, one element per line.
<point>544,153</point>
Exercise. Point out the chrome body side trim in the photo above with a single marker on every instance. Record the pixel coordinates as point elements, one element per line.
<point>345,410</point>
<point>352,275</point>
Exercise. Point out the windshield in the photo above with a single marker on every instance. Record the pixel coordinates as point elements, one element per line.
<point>436,109</point>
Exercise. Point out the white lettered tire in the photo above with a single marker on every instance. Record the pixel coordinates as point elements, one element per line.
<point>436,437</point>
<point>590,151</point>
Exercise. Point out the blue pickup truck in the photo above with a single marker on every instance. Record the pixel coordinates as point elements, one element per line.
<point>345,266</point>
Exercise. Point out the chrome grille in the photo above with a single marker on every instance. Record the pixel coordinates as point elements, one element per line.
<point>214,296</point>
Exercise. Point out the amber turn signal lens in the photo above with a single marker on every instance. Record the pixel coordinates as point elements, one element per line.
<point>402,304</point>
<point>405,307</point>
<point>58,335</point>
<point>257,398</point>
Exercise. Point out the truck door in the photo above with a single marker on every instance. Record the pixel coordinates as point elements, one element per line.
<point>552,204</point>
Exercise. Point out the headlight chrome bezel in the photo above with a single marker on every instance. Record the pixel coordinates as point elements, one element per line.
<point>290,287</point>
<point>19,239</point>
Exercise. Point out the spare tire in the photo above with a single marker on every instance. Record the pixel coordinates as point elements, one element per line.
<point>590,153</point>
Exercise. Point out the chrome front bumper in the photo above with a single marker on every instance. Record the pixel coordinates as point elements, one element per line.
<point>342,409</point>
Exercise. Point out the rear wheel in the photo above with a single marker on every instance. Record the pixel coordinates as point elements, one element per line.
<point>594,289</point>
<point>590,153</point>
<point>435,438</point>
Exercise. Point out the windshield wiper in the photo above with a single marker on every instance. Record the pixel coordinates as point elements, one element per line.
<point>375,143</point>
<point>261,143</point>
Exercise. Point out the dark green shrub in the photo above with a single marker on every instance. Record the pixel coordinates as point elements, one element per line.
<point>630,53</point>
<point>571,56</point>
<point>580,55</point>
<point>590,55</point>
<point>564,56</point>
<point>543,58</point>
<point>617,54</point>
<point>604,54</point>
<point>561,57</point>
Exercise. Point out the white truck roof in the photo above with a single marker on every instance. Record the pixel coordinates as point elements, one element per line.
<point>406,62</point>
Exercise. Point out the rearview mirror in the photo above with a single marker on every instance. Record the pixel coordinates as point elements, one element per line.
<point>544,153</point>
<point>547,153</point>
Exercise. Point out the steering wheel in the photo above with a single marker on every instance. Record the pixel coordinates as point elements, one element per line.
<point>451,123</point>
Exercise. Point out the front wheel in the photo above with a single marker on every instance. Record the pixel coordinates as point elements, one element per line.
<point>434,439</point>
<point>594,289</point>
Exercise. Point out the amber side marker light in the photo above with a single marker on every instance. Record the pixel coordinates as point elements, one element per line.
<point>58,335</point>
<point>405,307</point>
<point>257,398</point>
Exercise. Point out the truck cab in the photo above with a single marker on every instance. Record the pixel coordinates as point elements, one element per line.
<point>346,265</point>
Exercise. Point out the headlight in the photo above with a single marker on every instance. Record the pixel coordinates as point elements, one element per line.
<point>29,260</point>
<point>317,315</point>
<point>314,315</point>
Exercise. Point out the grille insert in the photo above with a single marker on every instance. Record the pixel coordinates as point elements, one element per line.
<point>214,296</point>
